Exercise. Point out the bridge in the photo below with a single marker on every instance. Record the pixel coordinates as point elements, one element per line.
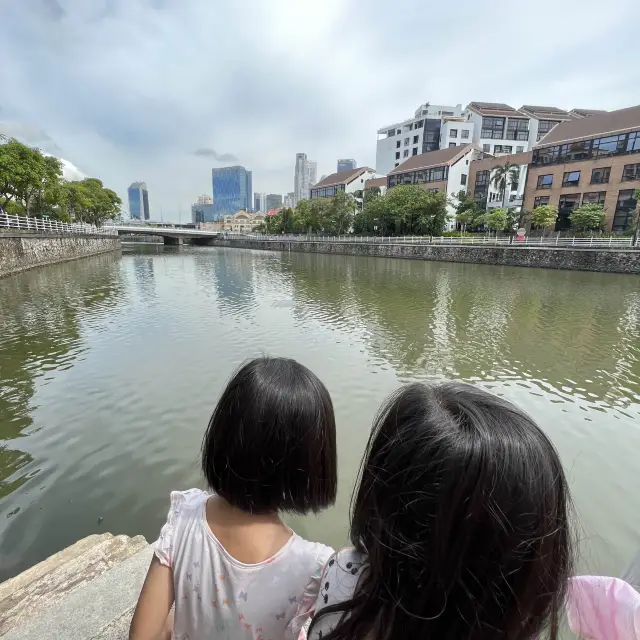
<point>170,235</point>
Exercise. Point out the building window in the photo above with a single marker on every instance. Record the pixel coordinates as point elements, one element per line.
<point>406,142</point>
<point>631,172</point>
<point>600,175</point>
<point>416,139</point>
<point>481,187</point>
<point>391,132</point>
<point>419,124</point>
<point>453,133</point>
<point>497,148</point>
<point>397,164</point>
<point>571,179</point>
<point>486,148</point>
<point>437,174</point>
<point>540,201</point>
<point>492,128</point>
<point>545,181</point>
<point>565,207</point>
<point>405,153</point>
<point>397,155</point>
<point>415,151</point>
<point>625,210</point>
<point>463,179</point>
<point>544,126</point>
<point>451,145</point>
<point>508,148</point>
<point>398,132</point>
<point>517,129</point>
<point>398,144</point>
<point>519,149</point>
<point>594,197</point>
<point>633,142</point>
<point>464,134</point>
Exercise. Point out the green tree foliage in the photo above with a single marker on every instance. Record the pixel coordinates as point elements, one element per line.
<point>32,184</point>
<point>341,212</point>
<point>635,227</point>
<point>496,219</point>
<point>371,192</point>
<point>467,210</point>
<point>504,175</point>
<point>588,217</point>
<point>544,216</point>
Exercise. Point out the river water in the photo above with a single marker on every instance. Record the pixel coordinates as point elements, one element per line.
<point>110,367</point>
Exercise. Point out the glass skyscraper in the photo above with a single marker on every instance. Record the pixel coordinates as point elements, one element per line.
<point>138,201</point>
<point>232,190</point>
<point>346,165</point>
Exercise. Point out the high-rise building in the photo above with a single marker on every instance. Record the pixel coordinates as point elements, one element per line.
<point>232,190</point>
<point>204,199</point>
<point>289,200</point>
<point>202,210</point>
<point>274,201</point>
<point>260,202</point>
<point>139,201</point>
<point>346,165</point>
<point>306,174</point>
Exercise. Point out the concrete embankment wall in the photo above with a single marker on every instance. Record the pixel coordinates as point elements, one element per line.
<point>21,252</point>
<point>612,261</point>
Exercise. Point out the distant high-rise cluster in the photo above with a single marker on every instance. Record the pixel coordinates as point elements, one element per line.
<point>139,201</point>
<point>346,165</point>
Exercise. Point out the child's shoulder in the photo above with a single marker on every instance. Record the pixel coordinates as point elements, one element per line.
<point>187,501</point>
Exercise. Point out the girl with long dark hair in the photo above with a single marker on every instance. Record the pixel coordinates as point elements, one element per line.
<point>460,526</point>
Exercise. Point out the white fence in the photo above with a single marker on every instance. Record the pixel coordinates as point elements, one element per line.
<point>538,241</point>
<point>44,225</point>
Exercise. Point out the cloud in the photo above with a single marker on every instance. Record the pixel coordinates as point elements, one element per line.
<point>127,89</point>
<point>208,152</point>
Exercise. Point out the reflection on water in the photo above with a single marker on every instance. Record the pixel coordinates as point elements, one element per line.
<point>110,368</point>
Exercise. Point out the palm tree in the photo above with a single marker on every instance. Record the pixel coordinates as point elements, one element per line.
<point>504,175</point>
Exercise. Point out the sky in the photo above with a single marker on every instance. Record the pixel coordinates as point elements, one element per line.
<point>165,90</point>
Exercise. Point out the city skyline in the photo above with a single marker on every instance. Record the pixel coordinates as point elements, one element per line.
<point>78,105</point>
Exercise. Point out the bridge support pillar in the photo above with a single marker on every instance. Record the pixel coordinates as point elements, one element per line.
<point>172,242</point>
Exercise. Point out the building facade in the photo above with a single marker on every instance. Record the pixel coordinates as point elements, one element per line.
<point>242,222</point>
<point>232,190</point>
<point>289,200</point>
<point>591,160</point>
<point>274,201</point>
<point>348,181</point>
<point>305,175</point>
<point>376,183</point>
<point>260,202</point>
<point>346,165</point>
<point>139,201</point>
<point>420,134</point>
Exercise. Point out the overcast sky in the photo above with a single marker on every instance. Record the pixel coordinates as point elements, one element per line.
<point>164,90</point>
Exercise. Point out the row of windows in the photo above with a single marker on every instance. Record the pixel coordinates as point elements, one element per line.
<point>586,149</point>
<point>600,175</point>
<point>502,148</point>
<point>326,192</point>
<point>415,125</point>
<point>544,126</point>
<point>453,133</point>
<point>517,129</point>
<point>622,218</point>
<point>405,153</point>
<point>436,174</point>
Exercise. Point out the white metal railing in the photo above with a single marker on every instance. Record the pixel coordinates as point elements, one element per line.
<point>537,241</point>
<point>45,225</point>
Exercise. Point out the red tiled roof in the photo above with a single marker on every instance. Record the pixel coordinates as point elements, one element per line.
<point>432,159</point>
<point>494,109</point>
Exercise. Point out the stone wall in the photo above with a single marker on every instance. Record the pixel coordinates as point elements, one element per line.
<point>19,252</point>
<point>612,261</point>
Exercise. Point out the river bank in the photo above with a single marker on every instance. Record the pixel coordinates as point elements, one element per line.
<point>603,260</point>
<point>20,251</point>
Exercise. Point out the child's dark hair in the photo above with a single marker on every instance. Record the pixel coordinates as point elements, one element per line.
<point>271,441</point>
<point>463,512</point>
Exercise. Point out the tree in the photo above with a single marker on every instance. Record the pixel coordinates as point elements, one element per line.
<point>371,192</point>
<point>496,219</point>
<point>88,201</point>
<point>504,175</point>
<point>466,209</point>
<point>636,222</point>
<point>544,216</point>
<point>410,209</point>
<point>588,217</point>
<point>341,212</point>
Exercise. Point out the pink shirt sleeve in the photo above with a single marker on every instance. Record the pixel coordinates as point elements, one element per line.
<point>602,608</point>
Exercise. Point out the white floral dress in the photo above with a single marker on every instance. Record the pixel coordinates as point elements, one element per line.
<point>216,596</point>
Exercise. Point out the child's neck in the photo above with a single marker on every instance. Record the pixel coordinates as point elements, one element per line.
<point>248,537</point>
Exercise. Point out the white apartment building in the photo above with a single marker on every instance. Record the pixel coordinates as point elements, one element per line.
<point>420,134</point>
<point>542,120</point>
<point>455,132</point>
<point>348,181</point>
<point>305,175</point>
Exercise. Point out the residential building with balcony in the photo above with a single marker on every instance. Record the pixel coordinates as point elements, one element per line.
<point>481,187</point>
<point>593,159</point>
<point>542,120</point>
<point>455,131</point>
<point>444,171</point>
<point>348,181</point>
<point>420,134</point>
<point>498,129</point>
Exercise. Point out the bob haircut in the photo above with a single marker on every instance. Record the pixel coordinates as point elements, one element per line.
<point>271,441</point>
<point>463,514</point>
